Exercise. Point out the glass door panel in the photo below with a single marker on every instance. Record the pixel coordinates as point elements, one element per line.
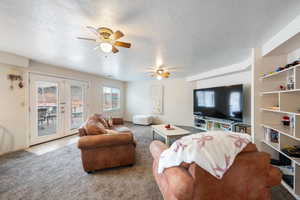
<point>46,105</point>
<point>77,106</point>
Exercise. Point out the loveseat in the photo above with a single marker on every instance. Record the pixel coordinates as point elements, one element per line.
<point>105,146</point>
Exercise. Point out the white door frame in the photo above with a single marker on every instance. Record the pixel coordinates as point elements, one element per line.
<point>64,95</point>
<point>69,83</point>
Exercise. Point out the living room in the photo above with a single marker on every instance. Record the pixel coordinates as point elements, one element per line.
<point>99,97</point>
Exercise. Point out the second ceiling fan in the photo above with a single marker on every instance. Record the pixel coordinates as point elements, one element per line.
<point>107,39</point>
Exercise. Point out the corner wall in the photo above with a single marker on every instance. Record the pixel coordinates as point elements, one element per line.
<point>177,100</point>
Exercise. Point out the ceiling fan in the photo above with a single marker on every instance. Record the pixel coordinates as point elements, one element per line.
<point>160,72</point>
<point>106,39</point>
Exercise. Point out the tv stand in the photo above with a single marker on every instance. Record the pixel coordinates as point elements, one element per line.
<point>209,124</point>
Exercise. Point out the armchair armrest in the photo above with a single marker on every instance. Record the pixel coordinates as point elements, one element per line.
<point>180,181</point>
<point>156,148</point>
<point>81,132</point>
<point>117,121</point>
<point>104,140</point>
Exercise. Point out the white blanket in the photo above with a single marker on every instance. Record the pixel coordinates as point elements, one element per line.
<point>214,151</point>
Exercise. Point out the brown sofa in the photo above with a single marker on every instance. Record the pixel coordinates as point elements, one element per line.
<point>250,177</point>
<point>113,149</point>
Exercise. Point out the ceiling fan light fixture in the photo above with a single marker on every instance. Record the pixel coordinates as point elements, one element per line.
<point>159,77</point>
<point>106,47</point>
<point>160,71</point>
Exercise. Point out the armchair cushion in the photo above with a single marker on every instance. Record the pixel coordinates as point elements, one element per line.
<point>99,118</point>
<point>104,140</point>
<point>93,127</point>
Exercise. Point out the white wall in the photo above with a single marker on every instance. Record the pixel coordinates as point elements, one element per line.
<point>295,55</point>
<point>14,132</point>
<point>177,105</point>
<point>243,77</point>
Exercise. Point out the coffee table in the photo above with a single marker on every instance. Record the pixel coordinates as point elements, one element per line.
<point>168,134</point>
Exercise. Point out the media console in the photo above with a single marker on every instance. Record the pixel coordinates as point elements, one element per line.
<point>209,124</point>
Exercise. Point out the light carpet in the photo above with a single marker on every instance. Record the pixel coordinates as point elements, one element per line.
<point>59,175</point>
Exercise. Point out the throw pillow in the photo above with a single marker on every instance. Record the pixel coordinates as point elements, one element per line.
<point>94,128</point>
<point>109,122</point>
<point>99,118</point>
<point>103,121</point>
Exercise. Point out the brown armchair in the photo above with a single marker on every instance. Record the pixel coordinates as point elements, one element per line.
<point>116,148</point>
<point>250,177</point>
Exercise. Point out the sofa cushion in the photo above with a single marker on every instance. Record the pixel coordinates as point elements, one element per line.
<point>112,131</point>
<point>121,128</point>
<point>99,118</point>
<point>93,127</point>
<point>109,122</point>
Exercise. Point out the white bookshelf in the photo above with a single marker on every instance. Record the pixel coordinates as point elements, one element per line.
<point>213,124</point>
<point>270,104</point>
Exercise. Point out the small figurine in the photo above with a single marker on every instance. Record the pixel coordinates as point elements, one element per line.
<point>286,121</point>
<point>282,87</point>
<point>287,66</point>
<point>297,62</point>
<point>278,69</point>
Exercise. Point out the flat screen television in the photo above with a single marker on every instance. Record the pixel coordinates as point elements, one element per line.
<point>220,102</point>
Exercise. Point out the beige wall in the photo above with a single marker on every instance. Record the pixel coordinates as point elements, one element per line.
<point>177,105</point>
<point>14,132</point>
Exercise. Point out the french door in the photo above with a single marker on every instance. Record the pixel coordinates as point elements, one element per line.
<point>57,107</point>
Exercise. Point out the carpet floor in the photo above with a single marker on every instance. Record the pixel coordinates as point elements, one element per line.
<point>59,175</point>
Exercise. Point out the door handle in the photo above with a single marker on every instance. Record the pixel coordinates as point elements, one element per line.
<point>62,108</point>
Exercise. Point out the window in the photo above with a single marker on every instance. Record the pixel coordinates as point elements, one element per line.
<point>206,99</point>
<point>234,103</point>
<point>111,98</point>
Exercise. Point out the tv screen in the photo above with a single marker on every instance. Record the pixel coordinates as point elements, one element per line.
<point>220,102</point>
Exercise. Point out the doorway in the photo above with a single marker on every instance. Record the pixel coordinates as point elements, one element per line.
<point>57,107</point>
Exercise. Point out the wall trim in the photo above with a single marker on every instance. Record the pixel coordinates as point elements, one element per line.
<point>242,66</point>
<point>282,36</point>
<point>13,59</point>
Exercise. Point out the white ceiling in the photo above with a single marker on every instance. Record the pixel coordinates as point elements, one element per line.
<point>194,35</point>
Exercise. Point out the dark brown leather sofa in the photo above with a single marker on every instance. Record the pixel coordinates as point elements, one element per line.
<point>114,148</point>
<point>249,178</point>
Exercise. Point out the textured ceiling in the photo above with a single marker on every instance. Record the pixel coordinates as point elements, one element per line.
<point>195,35</point>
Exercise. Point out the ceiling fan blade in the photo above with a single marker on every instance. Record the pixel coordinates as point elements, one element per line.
<point>122,44</point>
<point>117,35</point>
<point>165,74</point>
<point>114,49</point>
<point>83,38</point>
<point>94,30</point>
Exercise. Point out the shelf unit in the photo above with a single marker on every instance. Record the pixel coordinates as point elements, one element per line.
<point>207,124</point>
<point>271,104</point>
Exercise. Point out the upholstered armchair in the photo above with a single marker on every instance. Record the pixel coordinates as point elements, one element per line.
<point>116,147</point>
<point>250,177</point>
